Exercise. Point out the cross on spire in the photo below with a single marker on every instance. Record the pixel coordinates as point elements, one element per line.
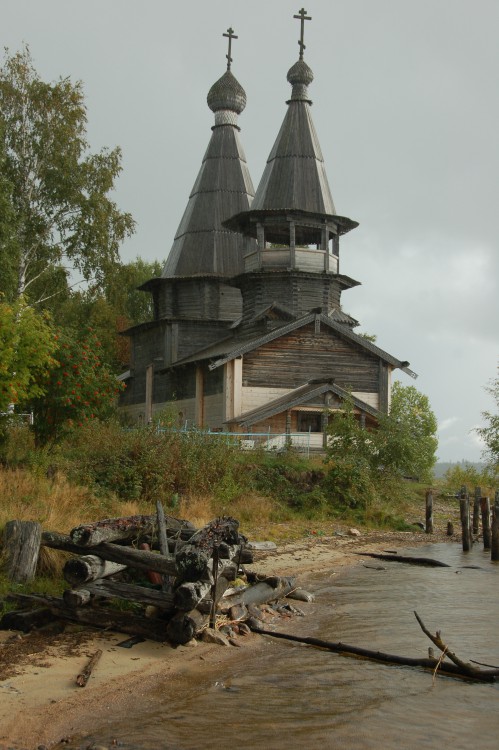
<point>302,15</point>
<point>230,34</point>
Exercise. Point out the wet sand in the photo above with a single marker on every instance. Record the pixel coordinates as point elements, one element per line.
<point>40,703</point>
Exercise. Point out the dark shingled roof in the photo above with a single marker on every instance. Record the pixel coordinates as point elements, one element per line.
<point>202,246</point>
<point>295,176</point>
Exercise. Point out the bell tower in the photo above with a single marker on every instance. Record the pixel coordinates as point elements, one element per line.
<point>296,261</point>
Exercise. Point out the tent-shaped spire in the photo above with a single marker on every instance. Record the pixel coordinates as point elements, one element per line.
<point>295,175</point>
<point>202,246</point>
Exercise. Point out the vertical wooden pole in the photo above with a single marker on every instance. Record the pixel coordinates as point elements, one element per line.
<point>494,547</point>
<point>464,506</point>
<point>429,512</point>
<point>22,546</point>
<point>485,508</point>
<point>476,511</point>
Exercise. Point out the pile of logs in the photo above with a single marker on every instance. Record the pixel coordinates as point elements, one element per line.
<point>175,578</point>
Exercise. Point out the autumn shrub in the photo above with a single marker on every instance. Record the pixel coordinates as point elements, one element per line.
<point>470,476</point>
<point>145,463</point>
<point>78,388</point>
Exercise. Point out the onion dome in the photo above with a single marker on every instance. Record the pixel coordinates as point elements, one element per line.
<point>300,76</point>
<point>227,94</point>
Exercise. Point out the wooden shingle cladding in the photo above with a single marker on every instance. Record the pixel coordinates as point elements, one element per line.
<point>198,298</point>
<point>298,292</point>
<point>223,188</point>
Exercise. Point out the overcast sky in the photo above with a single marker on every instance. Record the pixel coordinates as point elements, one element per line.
<point>406,106</point>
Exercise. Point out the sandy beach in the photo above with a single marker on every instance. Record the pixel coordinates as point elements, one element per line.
<point>40,703</point>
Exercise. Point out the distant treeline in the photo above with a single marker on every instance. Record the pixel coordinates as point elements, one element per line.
<point>441,467</point>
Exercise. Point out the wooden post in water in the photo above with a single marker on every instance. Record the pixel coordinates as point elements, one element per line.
<point>476,511</point>
<point>22,546</point>
<point>494,547</point>
<point>464,505</point>
<point>429,512</point>
<point>485,508</point>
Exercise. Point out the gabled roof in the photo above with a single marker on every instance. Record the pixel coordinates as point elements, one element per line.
<point>233,346</point>
<point>297,397</point>
<point>340,328</point>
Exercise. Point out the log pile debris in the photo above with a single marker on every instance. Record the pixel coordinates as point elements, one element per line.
<point>177,580</point>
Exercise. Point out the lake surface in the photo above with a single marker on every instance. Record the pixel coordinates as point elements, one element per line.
<point>288,695</point>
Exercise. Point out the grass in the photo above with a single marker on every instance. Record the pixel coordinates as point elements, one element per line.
<point>105,471</point>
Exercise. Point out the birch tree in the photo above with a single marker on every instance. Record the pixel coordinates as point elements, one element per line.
<point>61,216</point>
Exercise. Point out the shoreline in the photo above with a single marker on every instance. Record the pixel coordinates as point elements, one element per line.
<point>42,705</point>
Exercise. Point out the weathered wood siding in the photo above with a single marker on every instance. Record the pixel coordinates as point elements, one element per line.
<point>298,292</point>
<point>253,398</point>
<point>213,410</point>
<point>199,299</point>
<point>277,423</point>
<point>147,349</point>
<point>192,336</point>
<point>371,399</point>
<point>290,361</point>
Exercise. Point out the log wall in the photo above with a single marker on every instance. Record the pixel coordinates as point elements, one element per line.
<point>304,354</point>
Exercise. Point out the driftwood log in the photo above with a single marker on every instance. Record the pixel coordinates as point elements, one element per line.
<point>127,556</point>
<point>130,527</point>
<point>269,590</point>
<point>118,590</point>
<point>428,561</point>
<point>192,579</point>
<point>79,570</point>
<point>107,619</point>
<point>184,626</point>
<point>84,676</point>
<point>26,620</point>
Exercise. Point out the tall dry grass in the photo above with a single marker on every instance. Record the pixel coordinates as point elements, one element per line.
<point>55,503</point>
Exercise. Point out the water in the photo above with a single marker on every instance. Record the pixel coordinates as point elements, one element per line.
<point>288,695</point>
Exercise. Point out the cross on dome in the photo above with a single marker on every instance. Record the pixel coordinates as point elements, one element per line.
<point>302,15</point>
<point>230,35</point>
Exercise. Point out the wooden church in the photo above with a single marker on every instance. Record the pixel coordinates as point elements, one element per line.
<point>248,333</point>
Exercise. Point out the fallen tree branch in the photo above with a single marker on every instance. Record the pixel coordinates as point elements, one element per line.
<point>451,670</point>
<point>437,640</point>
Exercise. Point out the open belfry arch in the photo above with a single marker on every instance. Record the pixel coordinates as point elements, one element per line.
<point>249,334</point>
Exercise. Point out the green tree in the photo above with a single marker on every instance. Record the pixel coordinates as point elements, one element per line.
<point>26,348</point>
<point>62,216</point>
<point>112,307</point>
<point>121,290</point>
<point>490,433</point>
<point>364,464</point>
<point>352,458</point>
<point>79,387</point>
<point>407,437</point>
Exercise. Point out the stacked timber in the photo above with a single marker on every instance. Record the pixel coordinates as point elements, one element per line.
<point>179,579</point>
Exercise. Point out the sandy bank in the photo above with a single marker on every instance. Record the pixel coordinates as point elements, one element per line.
<point>40,703</point>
